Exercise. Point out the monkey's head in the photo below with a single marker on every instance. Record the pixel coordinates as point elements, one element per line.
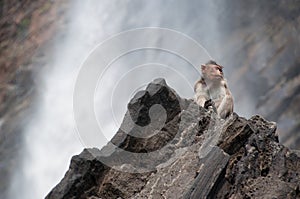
<point>211,71</point>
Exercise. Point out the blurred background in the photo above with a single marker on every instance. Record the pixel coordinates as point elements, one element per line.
<point>44,42</point>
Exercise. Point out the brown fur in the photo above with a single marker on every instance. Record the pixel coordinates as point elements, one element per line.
<point>212,85</point>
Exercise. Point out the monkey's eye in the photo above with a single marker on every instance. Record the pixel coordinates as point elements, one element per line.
<point>220,69</point>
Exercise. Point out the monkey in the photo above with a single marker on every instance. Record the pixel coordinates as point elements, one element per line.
<point>212,90</point>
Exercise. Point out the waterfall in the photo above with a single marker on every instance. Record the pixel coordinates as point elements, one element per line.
<point>50,139</point>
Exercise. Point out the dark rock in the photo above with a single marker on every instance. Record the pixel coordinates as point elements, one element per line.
<point>84,173</point>
<point>156,92</point>
<point>211,168</point>
<point>193,154</point>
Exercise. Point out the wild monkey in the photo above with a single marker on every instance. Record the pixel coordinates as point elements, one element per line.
<point>212,89</point>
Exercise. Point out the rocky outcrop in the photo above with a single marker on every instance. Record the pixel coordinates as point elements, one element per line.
<point>194,154</point>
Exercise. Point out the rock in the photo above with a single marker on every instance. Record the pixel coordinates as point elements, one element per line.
<point>210,170</point>
<point>194,154</point>
<point>85,171</point>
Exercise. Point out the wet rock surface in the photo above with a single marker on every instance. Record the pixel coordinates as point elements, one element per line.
<point>194,154</point>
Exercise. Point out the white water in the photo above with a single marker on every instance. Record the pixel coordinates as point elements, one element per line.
<point>50,138</point>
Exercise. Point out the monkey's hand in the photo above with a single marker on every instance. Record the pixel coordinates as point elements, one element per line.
<point>209,104</point>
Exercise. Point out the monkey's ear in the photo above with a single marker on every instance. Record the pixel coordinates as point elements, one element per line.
<point>203,67</point>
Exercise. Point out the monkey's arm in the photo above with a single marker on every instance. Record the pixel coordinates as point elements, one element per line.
<point>201,93</point>
<point>225,108</point>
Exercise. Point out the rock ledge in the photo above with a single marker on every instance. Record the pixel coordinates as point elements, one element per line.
<point>186,152</point>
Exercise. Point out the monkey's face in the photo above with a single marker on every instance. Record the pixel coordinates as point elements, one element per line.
<point>212,72</point>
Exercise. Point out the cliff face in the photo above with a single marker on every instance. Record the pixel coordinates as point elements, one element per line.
<point>192,155</point>
<point>261,42</point>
